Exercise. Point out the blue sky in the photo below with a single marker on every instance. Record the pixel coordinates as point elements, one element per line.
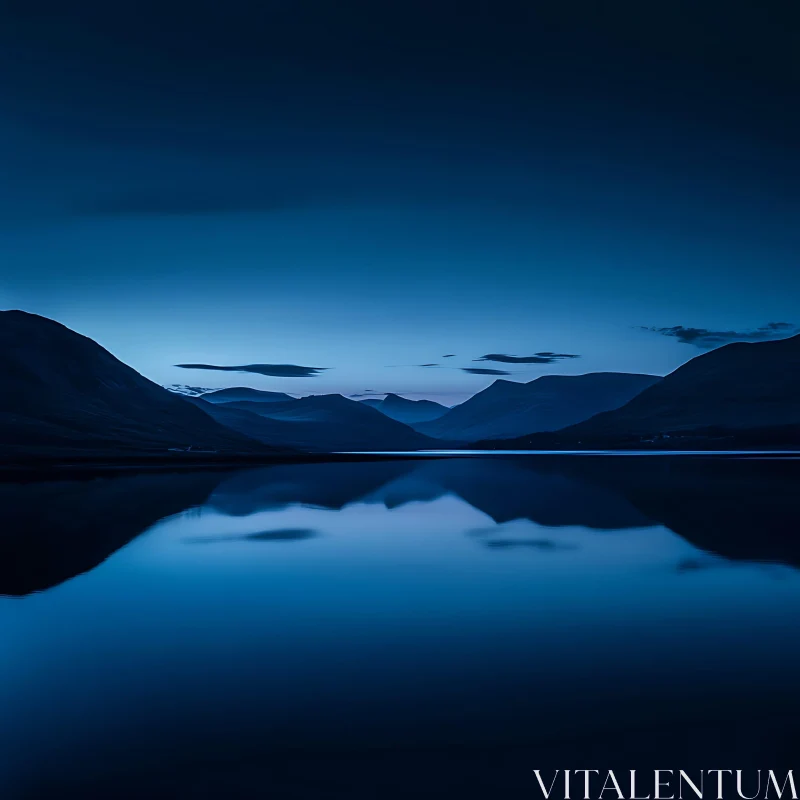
<point>369,190</point>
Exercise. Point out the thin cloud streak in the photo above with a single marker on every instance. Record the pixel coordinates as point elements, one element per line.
<point>271,370</point>
<point>537,358</point>
<point>706,339</point>
<point>484,371</point>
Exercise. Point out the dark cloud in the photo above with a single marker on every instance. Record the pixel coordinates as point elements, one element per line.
<point>397,366</point>
<point>449,355</point>
<point>545,545</point>
<point>483,371</point>
<point>272,370</point>
<point>279,535</point>
<point>537,358</point>
<point>706,339</point>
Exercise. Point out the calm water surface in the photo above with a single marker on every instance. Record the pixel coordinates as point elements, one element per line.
<point>418,628</point>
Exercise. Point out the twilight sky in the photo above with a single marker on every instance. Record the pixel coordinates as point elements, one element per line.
<point>342,192</point>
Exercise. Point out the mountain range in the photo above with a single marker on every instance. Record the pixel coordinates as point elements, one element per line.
<point>548,403</point>
<point>317,423</point>
<point>62,395</point>
<point>744,392</point>
<point>245,394</point>
<point>408,411</point>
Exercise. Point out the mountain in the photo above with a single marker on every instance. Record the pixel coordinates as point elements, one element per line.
<point>408,411</point>
<point>63,394</point>
<point>509,409</point>
<point>745,392</point>
<point>239,393</point>
<point>318,423</point>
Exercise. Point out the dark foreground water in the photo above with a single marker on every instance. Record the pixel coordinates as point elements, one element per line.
<point>432,628</point>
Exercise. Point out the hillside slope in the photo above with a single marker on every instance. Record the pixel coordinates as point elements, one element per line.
<point>746,392</point>
<point>508,409</point>
<point>411,412</point>
<point>62,393</point>
<point>239,393</point>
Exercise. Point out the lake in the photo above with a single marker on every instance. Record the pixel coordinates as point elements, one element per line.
<point>434,627</point>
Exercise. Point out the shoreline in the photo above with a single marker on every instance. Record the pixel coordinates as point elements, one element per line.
<point>37,467</point>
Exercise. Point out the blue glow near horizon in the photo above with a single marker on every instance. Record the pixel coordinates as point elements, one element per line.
<point>305,288</point>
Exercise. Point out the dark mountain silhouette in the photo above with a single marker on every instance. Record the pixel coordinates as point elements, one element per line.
<point>745,393</point>
<point>63,394</point>
<point>254,426</point>
<point>507,409</point>
<point>239,393</point>
<point>318,423</point>
<point>408,411</point>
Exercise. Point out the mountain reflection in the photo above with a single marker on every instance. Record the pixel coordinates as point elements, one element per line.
<point>544,545</point>
<point>739,509</point>
<point>546,493</point>
<point>280,535</point>
<point>55,530</point>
